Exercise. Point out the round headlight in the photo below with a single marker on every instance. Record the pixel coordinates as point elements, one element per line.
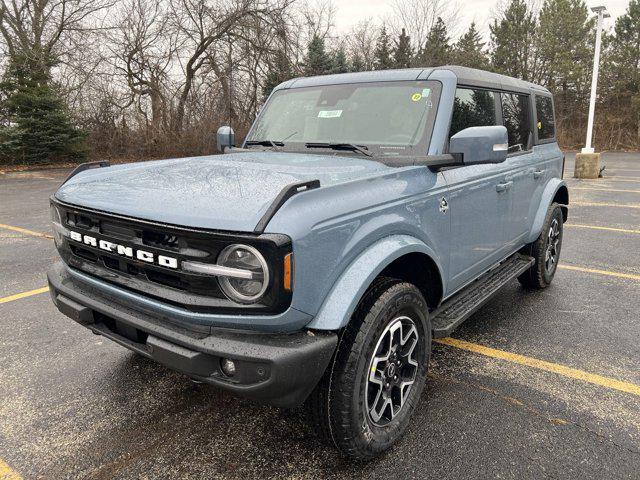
<point>244,257</point>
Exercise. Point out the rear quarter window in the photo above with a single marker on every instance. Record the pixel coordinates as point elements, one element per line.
<point>545,120</point>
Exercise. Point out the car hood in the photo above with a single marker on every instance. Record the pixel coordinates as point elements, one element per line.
<point>220,192</point>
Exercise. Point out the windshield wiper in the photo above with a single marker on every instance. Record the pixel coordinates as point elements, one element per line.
<point>265,143</point>
<point>341,146</point>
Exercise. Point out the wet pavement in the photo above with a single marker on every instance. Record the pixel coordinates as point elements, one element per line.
<point>75,405</point>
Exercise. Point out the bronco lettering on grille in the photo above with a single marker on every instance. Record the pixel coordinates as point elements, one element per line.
<point>124,250</point>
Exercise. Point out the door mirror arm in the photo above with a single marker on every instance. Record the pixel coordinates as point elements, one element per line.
<point>447,160</point>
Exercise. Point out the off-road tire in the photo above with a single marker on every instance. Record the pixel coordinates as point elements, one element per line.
<point>338,406</point>
<point>540,275</point>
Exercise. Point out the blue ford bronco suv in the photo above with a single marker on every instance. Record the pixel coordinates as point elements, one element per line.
<point>364,215</point>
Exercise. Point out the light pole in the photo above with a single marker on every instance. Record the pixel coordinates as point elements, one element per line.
<point>602,13</point>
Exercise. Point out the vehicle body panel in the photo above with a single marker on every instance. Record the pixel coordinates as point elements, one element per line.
<point>343,298</point>
<point>354,217</point>
<point>289,320</point>
<point>550,191</point>
<point>479,215</point>
<point>218,192</point>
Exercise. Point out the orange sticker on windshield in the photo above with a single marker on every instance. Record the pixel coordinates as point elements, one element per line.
<point>416,97</point>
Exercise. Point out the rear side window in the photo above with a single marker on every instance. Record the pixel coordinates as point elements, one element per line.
<point>515,114</point>
<point>472,108</point>
<point>545,121</point>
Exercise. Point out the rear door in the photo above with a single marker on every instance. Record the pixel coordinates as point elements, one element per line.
<point>520,166</point>
<point>547,161</point>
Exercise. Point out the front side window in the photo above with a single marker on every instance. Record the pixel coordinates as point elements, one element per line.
<point>391,118</point>
<point>472,108</point>
<point>545,121</point>
<point>515,114</point>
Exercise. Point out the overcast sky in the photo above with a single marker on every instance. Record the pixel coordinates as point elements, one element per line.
<point>351,12</point>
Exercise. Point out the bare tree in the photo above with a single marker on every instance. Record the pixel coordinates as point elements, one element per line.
<point>318,18</point>
<point>42,28</point>
<point>418,17</point>
<point>309,20</point>
<point>205,25</point>
<point>143,49</point>
<point>361,43</point>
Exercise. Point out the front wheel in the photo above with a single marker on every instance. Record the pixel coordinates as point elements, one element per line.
<point>545,250</point>
<point>364,403</point>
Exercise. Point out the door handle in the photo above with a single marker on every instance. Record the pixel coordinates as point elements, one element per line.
<point>503,187</point>
<point>538,173</point>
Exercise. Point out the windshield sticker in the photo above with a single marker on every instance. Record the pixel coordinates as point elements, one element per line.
<point>329,113</point>
<point>416,97</point>
<point>426,92</point>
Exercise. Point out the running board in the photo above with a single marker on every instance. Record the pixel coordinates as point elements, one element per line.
<point>457,309</point>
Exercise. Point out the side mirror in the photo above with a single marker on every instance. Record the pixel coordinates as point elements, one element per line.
<point>478,145</point>
<point>226,138</point>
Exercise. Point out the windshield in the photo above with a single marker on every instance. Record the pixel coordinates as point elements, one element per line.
<point>388,118</point>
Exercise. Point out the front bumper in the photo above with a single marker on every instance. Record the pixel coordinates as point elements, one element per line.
<point>279,369</point>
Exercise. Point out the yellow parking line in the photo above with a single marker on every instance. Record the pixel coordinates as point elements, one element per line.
<point>18,296</point>
<point>599,204</point>
<point>606,189</point>
<point>7,473</point>
<point>614,179</point>
<point>26,232</point>
<point>630,276</point>
<point>543,365</point>
<point>622,178</point>
<point>596,227</point>
<point>617,169</point>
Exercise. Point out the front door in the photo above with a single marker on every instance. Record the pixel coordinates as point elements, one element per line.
<point>479,201</point>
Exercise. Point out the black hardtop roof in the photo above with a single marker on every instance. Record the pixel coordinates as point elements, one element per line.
<point>482,78</point>
<point>465,75</point>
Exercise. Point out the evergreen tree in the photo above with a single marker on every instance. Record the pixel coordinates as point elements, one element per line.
<point>512,37</point>
<point>469,50</point>
<point>627,44</point>
<point>565,46</point>
<point>317,61</point>
<point>403,53</point>
<point>339,63</point>
<point>357,63</point>
<point>38,127</point>
<point>622,69</point>
<point>280,71</point>
<point>382,53</point>
<point>436,51</point>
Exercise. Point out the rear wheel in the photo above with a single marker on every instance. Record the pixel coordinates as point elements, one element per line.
<point>365,400</point>
<point>545,250</point>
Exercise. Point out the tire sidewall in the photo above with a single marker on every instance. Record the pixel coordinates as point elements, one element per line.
<point>554,213</point>
<point>372,438</point>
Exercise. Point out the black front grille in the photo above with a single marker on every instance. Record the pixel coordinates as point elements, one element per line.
<point>193,291</point>
<point>161,240</point>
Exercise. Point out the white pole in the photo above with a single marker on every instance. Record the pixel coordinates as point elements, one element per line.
<point>594,82</point>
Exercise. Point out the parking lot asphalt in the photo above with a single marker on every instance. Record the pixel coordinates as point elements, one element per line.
<point>534,385</point>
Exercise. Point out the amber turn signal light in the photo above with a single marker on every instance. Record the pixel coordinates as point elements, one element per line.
<point>288,272</point>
